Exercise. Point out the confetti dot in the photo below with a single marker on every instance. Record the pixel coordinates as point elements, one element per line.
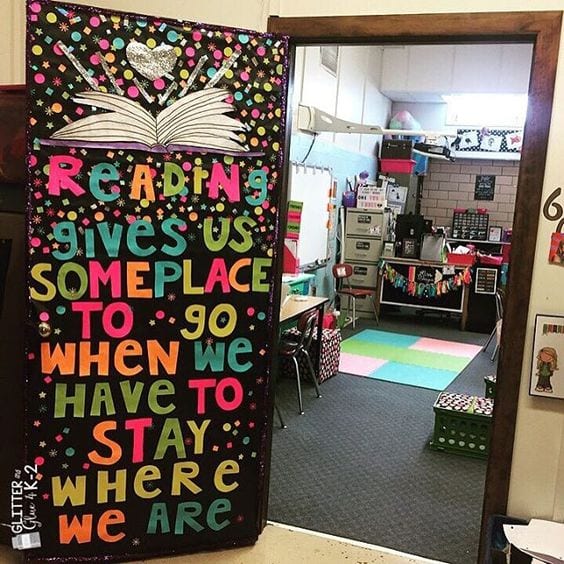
<point>193,216</point>
<point>238,96</point>
<point>261,51</point>
<point>51,17</point>
<point>246,440</point>
<point>35,7</point>
<point>255,113</point>
<point>190,51</point>
<point>184,74</point>
<point>35,241</point>
<point>99,216</point>
<point>218,55</point>
<point>128,74</point>
<point>61,309</point>
<point>44,316</point>
<point>76,36</point>
<point>226,427</point>
<point>104,44</point>
<point>244,76</point>
<point>159,84</point>
<point>110,57</point>
<point>250,311</point>
<point>219,207</point>
<point>144,203</point>
<point>172,36</point>
<point>267,87</point>
<point>94,21</point>
<point>118,43</point>
<point>39,78</point>
<point>160,314</point>
<point>39,461</point>
<point>258,210</point>
<point>261,316</point>
<point>151,43</point>
<point>37,49</point>
<point>210,72</point>
<point>243,38</point>
<point>94,59</point>
<point>261,130</point>
<point>133,92</point>
<point>57,108</point>
<point>196,36</point>
<point>70,451</point>
<point>72,215</point>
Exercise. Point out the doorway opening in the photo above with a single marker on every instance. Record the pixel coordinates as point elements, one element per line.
<point>541,29</point>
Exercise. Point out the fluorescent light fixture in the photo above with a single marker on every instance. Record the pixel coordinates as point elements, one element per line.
<point>313,120</point>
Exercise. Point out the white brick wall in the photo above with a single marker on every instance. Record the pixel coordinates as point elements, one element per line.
<point>451,185</point>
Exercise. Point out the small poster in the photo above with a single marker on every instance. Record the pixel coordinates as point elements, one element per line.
<point>556,254</point>
<point>486,281</point>
<point>484,188</point>
<point>491,142</point>
<point>547,378</point>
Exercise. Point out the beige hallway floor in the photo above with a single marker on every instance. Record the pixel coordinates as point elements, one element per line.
<point>280,544</point>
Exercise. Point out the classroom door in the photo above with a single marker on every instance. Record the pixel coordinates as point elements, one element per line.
<point>155,155</point>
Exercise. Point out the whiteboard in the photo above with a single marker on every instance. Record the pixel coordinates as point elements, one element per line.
<point>311,186</point>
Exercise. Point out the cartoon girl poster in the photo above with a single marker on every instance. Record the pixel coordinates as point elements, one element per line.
<point>546,378</point>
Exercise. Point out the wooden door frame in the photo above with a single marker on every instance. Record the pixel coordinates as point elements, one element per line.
<point>542,29</point>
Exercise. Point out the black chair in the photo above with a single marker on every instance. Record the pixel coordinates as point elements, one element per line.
<point>293,345</point>
<point>342,272</point>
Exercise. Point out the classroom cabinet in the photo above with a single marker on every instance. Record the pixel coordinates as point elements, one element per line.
<point>365,233</point>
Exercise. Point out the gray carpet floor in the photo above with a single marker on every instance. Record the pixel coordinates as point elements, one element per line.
<point>357,463</point>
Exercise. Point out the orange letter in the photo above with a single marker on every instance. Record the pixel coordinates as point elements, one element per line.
<point>110,517</point>
<point>99,434</point>
<point>142,180</point>
<point>81,530</point>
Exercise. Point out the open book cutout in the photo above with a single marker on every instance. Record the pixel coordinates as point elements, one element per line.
<point>196,121</point>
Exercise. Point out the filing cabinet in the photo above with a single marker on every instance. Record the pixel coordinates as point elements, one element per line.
<point>365,233</point>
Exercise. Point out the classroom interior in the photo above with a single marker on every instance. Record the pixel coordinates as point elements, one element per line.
<point>446,186</point>
<point>428,241</point>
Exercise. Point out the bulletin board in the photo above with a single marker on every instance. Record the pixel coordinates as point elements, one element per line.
<point>312,186</point>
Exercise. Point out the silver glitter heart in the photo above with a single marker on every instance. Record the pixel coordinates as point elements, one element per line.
<point>151,63</point>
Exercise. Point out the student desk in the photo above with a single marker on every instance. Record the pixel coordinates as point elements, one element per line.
<point>455,301</point>
<point>295,306</point>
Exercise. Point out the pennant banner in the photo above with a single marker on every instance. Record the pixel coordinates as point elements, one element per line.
<point>155,155</point>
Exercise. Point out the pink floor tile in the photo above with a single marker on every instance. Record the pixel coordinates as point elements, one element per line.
<point>446,347</point>
<point>359,365</point>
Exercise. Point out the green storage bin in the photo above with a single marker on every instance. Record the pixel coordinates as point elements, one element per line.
<point>462,424</point>
<point>490,385</point>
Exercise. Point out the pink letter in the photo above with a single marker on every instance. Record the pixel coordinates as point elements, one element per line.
<point>201,384</point>
<point>107,320</point>
<point>220,179</point>
<point>86,308</point>
<point>111,275</point>
<point>237,394</point>
<point>138,426</point>
<point>60,178</point>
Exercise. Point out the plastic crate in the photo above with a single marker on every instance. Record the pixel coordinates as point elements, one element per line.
<point>462,424</point>
<point>460,259</point>
<point>490,385</point>
<point>397,165</point>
